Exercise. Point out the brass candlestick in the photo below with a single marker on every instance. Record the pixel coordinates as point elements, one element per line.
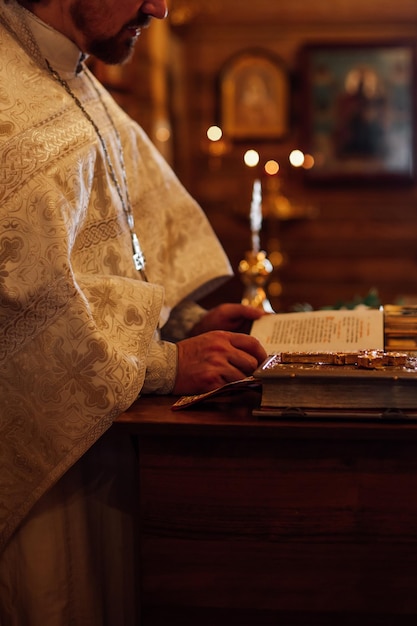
<point>255,268</point>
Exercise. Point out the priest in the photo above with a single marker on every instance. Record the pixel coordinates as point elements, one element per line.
<point>103,255</point>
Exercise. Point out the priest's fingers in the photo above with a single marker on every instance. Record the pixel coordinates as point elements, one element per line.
<point>212,359</point>
<point>245,345</point>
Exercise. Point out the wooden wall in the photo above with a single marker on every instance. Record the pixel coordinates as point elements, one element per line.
<point>351,238</point>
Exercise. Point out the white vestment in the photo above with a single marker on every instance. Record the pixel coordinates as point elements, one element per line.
<point>78,324</point>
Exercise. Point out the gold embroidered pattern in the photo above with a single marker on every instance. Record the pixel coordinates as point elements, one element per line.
<point>97,233</point>
<point>25,324</point>
<point>29,152</point>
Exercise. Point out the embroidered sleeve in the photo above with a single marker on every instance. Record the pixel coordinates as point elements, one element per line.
<point>182,319</point>
<point>161,368</point>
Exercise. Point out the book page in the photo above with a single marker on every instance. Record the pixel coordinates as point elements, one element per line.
<point>321,331</point>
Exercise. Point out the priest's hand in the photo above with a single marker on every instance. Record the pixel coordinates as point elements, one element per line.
<point>237,318</point>
<point>212,359</point>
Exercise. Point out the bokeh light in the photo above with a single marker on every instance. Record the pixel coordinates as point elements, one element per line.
<point>251,158</point>
<point>296,158</point>
<point>271,167</point>
<point>214,133</point>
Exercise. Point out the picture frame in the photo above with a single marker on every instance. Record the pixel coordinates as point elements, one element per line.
<point>254,97</point>
<point>358,108</point>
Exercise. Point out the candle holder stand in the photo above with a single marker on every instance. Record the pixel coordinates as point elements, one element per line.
<point>255,270</point>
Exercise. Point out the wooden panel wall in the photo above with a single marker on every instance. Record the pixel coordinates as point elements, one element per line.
<point>354,239</point>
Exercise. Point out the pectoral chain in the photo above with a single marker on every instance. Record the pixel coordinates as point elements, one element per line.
<point>137,256</point>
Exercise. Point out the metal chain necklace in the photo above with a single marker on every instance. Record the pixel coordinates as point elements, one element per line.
<point>138,257</point>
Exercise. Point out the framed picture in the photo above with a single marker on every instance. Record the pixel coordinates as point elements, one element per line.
<point>359,110</point>
<point>254,97</point>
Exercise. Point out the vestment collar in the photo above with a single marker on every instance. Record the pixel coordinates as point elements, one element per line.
<point>61,52</point>
<point>40,40</point>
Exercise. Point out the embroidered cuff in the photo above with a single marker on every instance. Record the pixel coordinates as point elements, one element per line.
<point>161,368</point>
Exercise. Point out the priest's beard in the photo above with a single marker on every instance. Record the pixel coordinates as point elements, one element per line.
<point>113,51</point>
<point>90,20</point>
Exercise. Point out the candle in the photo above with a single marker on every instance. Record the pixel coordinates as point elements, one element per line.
<point>256,215</point>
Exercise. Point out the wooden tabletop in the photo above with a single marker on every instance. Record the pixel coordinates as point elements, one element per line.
<point>233,417</point>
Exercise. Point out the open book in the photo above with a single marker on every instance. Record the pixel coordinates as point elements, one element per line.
<point>321,331</point>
